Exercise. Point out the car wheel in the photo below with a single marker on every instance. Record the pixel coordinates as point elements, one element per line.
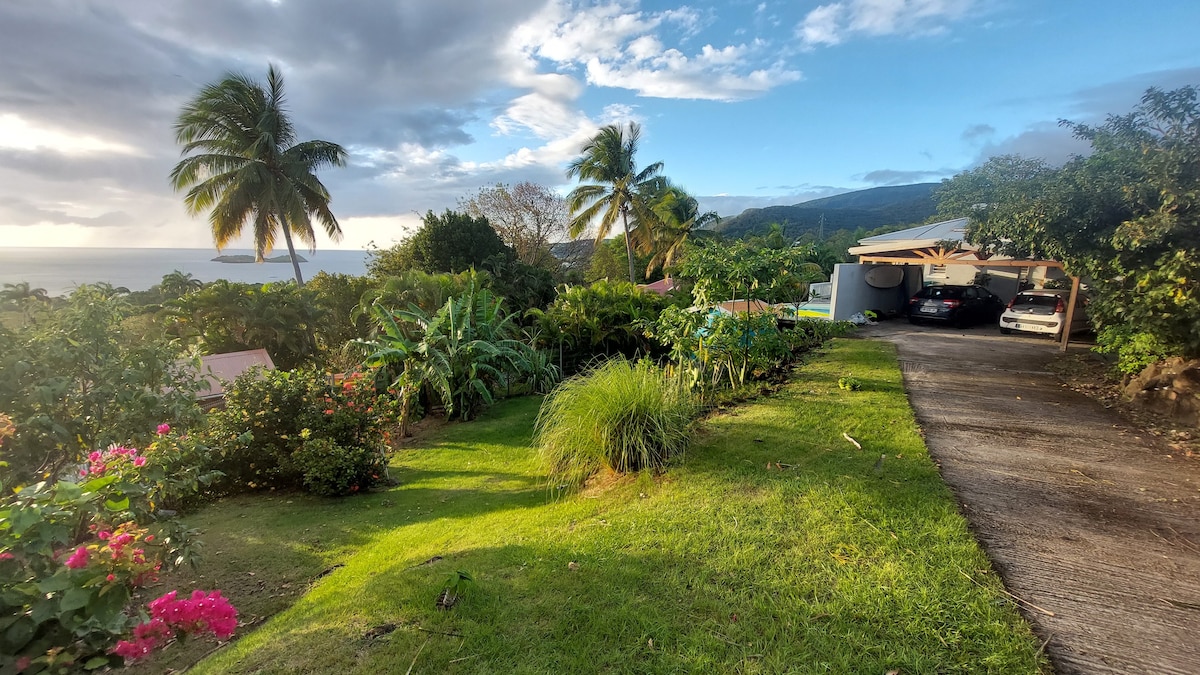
<point>1005,331</point>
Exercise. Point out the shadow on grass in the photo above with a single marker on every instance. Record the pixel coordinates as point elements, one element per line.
<point>598,607</point>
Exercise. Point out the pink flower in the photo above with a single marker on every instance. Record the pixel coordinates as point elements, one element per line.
<point>140,461</point>
<point>94,456</point>
<point>110,578</point>
<point>22,663</point>
<point>149,538</point>
<point>164,429</point>
<point>6,556</point>
<point>104,534</point>
<point>78,559</point>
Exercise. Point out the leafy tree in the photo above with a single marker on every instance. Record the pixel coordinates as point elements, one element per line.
<point>452,242</point>
<point>739,270</point>
<point>528,217</point>
<point>246,167</point>
<point>617,188</point>
<point>76,381</point>
<point>610,260</point>
<point>22,291</point>
<point>1126,217</point>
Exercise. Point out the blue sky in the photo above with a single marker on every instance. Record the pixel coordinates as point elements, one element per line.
<point>746,103</point>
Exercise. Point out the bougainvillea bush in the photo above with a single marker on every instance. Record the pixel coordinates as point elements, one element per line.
<point>283,429</point>
<point>73,552</point>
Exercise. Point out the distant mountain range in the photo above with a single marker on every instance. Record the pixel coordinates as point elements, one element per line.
<point>869,209</point>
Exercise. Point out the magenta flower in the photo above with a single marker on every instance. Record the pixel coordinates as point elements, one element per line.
<point>164,429</point>
<point>78,559</point>
<point>140,461</point>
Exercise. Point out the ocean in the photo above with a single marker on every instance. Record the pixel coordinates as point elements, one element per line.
<point>58,270</point>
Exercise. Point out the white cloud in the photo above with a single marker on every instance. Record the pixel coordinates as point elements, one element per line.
<point>17,133</point>
<point>834,23</point>
<point>622,47</point>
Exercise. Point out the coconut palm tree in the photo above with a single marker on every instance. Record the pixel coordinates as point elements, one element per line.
<point>616,189</point>
<point>244,166</point>
<point>678,214</point>
<point>178,284</point>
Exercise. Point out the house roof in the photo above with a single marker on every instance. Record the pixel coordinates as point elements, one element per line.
<point>914,237</point>
<point>736,306</point>
<point>661,287</point>
<point>217,369</point>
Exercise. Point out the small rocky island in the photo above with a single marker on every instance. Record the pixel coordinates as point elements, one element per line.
<point>243,258</point>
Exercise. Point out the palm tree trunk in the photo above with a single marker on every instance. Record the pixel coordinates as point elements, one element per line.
<point>628,245</point>
<point>287,236</point>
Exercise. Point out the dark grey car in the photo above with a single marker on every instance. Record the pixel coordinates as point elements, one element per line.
<point>956,305</point>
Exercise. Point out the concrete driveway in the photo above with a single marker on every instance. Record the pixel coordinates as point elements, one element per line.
<point>1094,525</point>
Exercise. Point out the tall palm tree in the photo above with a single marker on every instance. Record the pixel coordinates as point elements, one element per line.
<point>678,214</point>
<point>248,168</point>
<point>617,187</point>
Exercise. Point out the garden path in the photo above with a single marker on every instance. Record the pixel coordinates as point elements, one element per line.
<point>1093,523</point>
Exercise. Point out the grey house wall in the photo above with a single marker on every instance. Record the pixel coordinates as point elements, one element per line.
<point>851,294</point>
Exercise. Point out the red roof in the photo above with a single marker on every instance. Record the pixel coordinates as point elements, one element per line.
<point>662,286</point>
<point>217,369</point>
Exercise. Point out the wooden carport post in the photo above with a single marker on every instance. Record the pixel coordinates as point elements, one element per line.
<point>1066,336</point>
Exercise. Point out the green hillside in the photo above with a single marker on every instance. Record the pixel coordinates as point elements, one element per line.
<point>868,209</point>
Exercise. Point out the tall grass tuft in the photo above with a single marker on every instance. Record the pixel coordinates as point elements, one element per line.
<point>620,416</point>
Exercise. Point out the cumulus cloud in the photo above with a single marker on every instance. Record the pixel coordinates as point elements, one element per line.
<point>619,46</point>
<point>836,22</point>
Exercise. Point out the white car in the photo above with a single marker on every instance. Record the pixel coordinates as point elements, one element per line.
<point>1042,311</point>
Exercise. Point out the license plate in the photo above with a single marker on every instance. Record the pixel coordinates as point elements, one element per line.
<point>929,310</point>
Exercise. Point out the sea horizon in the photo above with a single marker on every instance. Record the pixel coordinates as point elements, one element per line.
<point>59,269</point>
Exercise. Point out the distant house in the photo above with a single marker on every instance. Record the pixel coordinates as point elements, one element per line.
<point>745,306</point>
<point>661,287</point>
<point>217,370</point>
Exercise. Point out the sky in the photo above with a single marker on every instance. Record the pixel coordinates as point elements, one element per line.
<point>747,103</point>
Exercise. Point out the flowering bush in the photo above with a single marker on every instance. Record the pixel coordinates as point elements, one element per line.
<point>73,551</point>
<point>258,440</point>
<point>201,614</point>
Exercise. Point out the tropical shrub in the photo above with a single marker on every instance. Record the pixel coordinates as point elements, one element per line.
<point>1134,349</point>
<point>620,416</point>
<point>270,415</point>
<point>229,317</point>
<point>713,351</point>
<point>464,354</point>
<point>600,319</point>
<point>77,379</point>
<point>329,470</point>
<point>73,551</point>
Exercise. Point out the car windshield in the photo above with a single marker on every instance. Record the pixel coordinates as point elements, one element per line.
<point>1037,300</point>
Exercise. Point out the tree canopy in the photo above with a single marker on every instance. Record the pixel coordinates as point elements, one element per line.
<point>1126,217</point>
<point>528,217</point>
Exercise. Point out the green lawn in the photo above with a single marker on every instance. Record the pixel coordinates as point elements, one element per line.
<point>833,563</point>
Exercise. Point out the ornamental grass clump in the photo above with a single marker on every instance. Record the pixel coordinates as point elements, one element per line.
<point>619,416</point>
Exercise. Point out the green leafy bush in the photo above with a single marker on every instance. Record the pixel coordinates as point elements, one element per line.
<point>331,470</point>
<point>464,354</point>
<point>849,384</point>
<point>72,553</point>
<point>1134,349</point>
<point>76,379</point>
<point>619,416</point>
<point>269,415</point>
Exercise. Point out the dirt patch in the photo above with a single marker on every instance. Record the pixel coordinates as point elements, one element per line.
<point>1088,514</point>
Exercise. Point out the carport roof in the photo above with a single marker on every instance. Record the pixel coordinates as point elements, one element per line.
<point>925,245</point>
